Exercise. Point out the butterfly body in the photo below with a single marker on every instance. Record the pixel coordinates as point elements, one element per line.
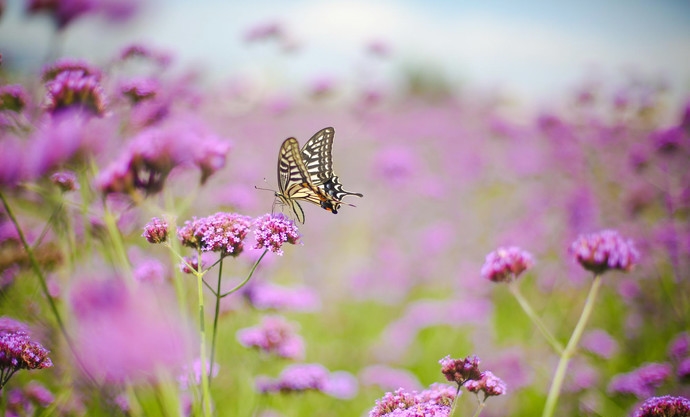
<point>307,174</point>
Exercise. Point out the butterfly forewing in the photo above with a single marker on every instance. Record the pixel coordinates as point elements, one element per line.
<point>317,154</point>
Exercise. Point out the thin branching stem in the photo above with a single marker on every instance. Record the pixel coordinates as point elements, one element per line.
<point>527,308</point>
<point>246,280</point>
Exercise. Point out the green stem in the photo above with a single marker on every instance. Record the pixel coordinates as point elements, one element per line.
<point>570,348</point>
<point>479,409</point>
<point>242,284</point>
<point>455,403</point>
<point>44,286</point>
<point>205,392</point>
<point>215,321</point>
<point>527,308</point>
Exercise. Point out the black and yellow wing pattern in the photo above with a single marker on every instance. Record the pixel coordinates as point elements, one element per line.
<point>307,174</point>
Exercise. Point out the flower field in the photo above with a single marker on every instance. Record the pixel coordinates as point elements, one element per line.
<point>502,261</point>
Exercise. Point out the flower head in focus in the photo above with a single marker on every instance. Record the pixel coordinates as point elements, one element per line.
<point>506,264</point>
<point>605,250</point>
<point>18,351</point>
<point>273,230</point>
<point>435,401</point>
<point>156,231</point>
<point>666,406</point>
<point>460,370</point>
<point>220,232</point>
<point>489,384</point>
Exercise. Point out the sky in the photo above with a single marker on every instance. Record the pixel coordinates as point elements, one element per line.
<point>531,48</point>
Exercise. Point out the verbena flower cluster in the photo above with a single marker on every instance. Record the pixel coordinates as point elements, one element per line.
<point>460,370</point>
<point>605,250</point>
<point>18,351</point>
<point>435,401</point>
<point>296,378</point>
<point>220,232</point>
<point>274,335</point>
<point>665,406</point>
<point>643,381</point>
<point>506,264</point>
<point>273,230</point>
<point>156,231</point>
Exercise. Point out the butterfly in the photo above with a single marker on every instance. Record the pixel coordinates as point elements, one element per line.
<point>307,174</point>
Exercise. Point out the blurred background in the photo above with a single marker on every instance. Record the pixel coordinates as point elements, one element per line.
<point>466,125</point>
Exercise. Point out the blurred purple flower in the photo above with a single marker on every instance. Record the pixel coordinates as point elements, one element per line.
<point>156,231</point>
<point>642,381</point>
<point>669,140</point>
<point>141,51</point>
<point>435,401</point>
<point>342,385</point>
<point>51,71</point>
<point>264,31</point>
<point>207,258</point>
<point>122,335</point>
<point>139,89</point>
<point>23,401</point>
<point>265,296</point>
<point>582,376</point>
<point>153,153</point>
<point>379,48</point>
<point>666,406</point>
<point>296,378</point>
<point>600,343</point>
<point>488,383</point>
<point>191,377</point>
<point>75,89</point>
<point>683,371</point>
<point>66,180</point>
<point>220,232</point>
<point>18,351</point>
<point>460,370</point>
<point>599,252</point>
<point>150,271</point>
<point>272,230</point>
<point>13,98</point>
<point>274,335</point>
<point>679,347</point>
<point>388,378</point>
<point>395,165</point>
<point>506,264</point>
<point>65,12</point>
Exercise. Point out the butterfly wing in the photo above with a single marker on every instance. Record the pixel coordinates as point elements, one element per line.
<point>317,155</point>
<point>294,182</point>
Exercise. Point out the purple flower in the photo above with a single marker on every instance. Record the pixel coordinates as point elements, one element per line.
<point>272,230</point>
<point>506,264</point>
<point>274,335</point>
<point>683,370</point>
<point>65,12</point>
<point>642,381</point>
<point>13,98</point>
<point>66,180</point>
<point>221,232</point>
<point>396,165</point>
<point>75,89</point>
<point>666,406</point>
<point>140,89</point>
<point>51,71</point>
<point>460,370</point>
<point>600,343</point>
<point>264,31</point>
<point>296,378</point>
<point>489,384</point>
<point>436,401</point>
<point>156,231</point>
<point>10,325</point>
<point>599,252</point>
<point>140,51</point>
<point>149,271</point>
<point>18,351</point>
<point>679,347</point>
<point>342,385</point>
<point>124,335</point>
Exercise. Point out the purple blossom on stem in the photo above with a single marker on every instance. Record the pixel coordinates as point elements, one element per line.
<point>460,370</point>
<point>18,351</point>
<point>156,231</point>
<point>489,384</point>
<point>605,250</point>
<point>642,381</point>
<point>679,346</point>
<point>506,264</point>
<point>50,72</point>
<point>666,406</point>
<point>13,98</point>
<point>274,335</point>
<point>435,401</point>
<point>75,89</point>
<point>66,180</point>
<point>273,230</point>
<point>221,232</point>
